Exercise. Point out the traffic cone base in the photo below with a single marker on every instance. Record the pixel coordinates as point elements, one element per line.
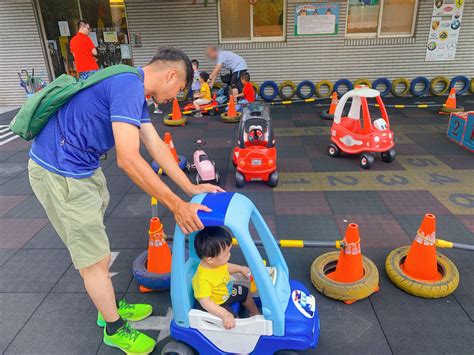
<point>450,104</point>
<point>421,261</point>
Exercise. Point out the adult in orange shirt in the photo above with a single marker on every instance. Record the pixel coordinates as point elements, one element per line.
<point>84,51</point>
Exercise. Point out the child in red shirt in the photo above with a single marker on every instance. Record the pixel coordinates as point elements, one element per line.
<point>248,92</point>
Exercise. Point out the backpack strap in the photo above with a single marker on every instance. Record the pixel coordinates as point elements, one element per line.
<point>109,72</point>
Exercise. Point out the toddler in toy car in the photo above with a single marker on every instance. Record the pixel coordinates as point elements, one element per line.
<point>203,97</point>
<point>212,284</point>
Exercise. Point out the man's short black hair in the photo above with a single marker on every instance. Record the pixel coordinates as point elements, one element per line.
<point>171,54</point>
<point>204,76</point>
<point>246,77</point>
<point>81,23</point>
<point>195,61</point>
<point>211,241</point>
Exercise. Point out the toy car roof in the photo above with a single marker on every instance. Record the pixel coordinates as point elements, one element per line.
<point>235,212</point>
<point>256,110</point>
<point>355,94</point>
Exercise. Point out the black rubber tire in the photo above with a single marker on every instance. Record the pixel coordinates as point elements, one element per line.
<point>366,160</point>
<point>239,179</point>
<point>439,79</point>
<point>273,179</point>
<point>426,88</point>
<point>325,115</point>
<point>363,81</point>
<point>305,83</point>
<point>177,348</point>
<point>213,112</point>
<point>405,91</point>
<point>287,84</point>
<point>274,94</point>
<point>340,82</point>
<point>226,119</point>
<point>446,111</point>
<point>442,288</point>
<point>322,83</point>
<point>386,82</point>
<point>388,156</point>
<point>333,150</point>
<point>363,288</point>
<point>170,122</point>
<point>148,279</point>
<point>462,78</point>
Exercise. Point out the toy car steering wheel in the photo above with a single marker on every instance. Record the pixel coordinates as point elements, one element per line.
<point>255,136</point>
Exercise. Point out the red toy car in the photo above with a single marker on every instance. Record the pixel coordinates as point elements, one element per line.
<point>354,136</point>
<point>255,156</point>
<point>210,108</point>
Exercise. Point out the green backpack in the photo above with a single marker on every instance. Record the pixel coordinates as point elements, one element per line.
<point>39,108</point>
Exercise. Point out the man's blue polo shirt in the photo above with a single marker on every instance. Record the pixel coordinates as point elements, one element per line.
<point>73,140</point>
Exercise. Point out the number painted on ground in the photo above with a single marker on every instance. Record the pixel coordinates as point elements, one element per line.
<point>421,162</point>
<point>345,180</point>
<point>463,200</point>
<point>436,178</point>
<point>395,180</point>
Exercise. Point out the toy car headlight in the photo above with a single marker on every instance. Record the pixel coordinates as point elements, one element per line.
<point>380,124</point>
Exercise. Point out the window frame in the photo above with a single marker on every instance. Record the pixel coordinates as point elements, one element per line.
<point>378,33</point>
<point>252,39</point>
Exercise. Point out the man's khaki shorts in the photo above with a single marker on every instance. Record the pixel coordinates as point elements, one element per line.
<point>76,210</point>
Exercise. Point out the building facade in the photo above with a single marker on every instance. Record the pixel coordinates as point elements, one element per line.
<point>368,44</point>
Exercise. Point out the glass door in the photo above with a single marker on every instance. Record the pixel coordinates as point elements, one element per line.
<point>109,31</point>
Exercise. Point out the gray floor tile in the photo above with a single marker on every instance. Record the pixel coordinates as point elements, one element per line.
<point>18,231</point>
<point>307,227</point>
<point>16,186</point>
<point>6,254</point>
<point>46,238</point>
<point>119,184</point>
<point>263,200</point>
<point>8,203</point>
<point>426,326</point>
<point>135,205</point>
<point>15,309</point>
<point>356,202</point>
<point>29,208</point>
<point>33,270</point>
<point>63,324</point>
<point>121,271</point>
<point>128,232</point>
<point>8,170</point>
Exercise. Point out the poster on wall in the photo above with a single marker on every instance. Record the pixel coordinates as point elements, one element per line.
<point>64,29</point>
<point>444,30</point>
<point>316,19</point>
<point>110,36</point>
<point>93,37</point>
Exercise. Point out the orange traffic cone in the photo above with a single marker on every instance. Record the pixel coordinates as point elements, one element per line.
<point>349,266</point>
<point>159,254</point>
<point>231,112</point>
<point>421,261</point>
<point>334,102</point>
<point>176,114</point>
<point>329,114</point>
<point>169,142</point>
<point>450,104</point>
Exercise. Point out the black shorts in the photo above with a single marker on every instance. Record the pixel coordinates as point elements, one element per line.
<point>239,294</point>
<point>235,80</point>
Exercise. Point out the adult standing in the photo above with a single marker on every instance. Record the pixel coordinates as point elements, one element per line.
<point>65,176</point>
<point>227,60</point>
<point>84,51</point>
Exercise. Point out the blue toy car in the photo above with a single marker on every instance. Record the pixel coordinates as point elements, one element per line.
<point>289,319</point>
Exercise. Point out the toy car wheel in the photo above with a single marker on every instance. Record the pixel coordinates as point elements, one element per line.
<point>366,161</point>
<point>239,179</point>
<point>213,112</point>
<point>389,156</point>
<point>177,348</point>
<point>273,180</point>
<point>198,179</point>
<point>334,150</point>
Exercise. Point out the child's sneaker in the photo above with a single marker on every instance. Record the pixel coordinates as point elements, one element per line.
<point>157,111</point>
<point>131,312</point>
<point>198,115</point>
<point>129,340</point>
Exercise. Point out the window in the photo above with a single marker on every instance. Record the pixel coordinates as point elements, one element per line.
<point>381,18</point>
<point>239,21</point>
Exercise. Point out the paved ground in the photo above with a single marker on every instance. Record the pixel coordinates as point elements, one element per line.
<point>45,309</point>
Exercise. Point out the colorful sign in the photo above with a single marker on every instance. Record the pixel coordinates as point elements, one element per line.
<point>316,19</point>
<point>110,37</point>
<point>444,30</point>
<point>304,303</point>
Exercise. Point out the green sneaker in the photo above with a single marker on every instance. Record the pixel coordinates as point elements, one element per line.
<point>130,340</point>
<point>131,312</point>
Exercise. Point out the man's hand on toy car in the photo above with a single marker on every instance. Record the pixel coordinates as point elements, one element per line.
<point>228,320</point>
<point>186,216</point>
<point>203,188</point>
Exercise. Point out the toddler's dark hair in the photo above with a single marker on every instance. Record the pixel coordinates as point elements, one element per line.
<point>211,241</point>
<point>246,77</point>
<point>204,76</point>
<point>195,61</point>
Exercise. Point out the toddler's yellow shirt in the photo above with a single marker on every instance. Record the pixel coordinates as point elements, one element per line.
<point>205,92</point>
<point>214,283</point>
